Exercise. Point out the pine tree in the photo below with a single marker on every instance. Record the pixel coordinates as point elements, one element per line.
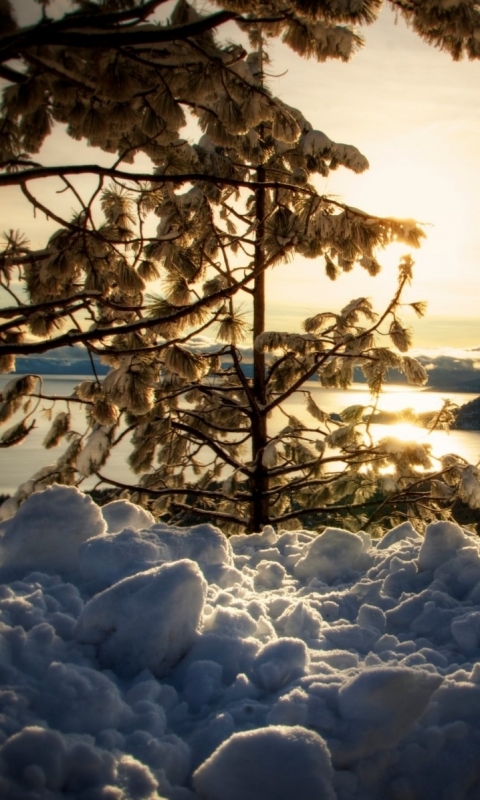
<point>143,296</point>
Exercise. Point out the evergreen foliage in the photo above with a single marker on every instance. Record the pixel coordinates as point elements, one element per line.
<point>157,259</point>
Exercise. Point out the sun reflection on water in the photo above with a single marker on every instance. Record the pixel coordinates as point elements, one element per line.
<point>404,401</point>
<point>406,431</point>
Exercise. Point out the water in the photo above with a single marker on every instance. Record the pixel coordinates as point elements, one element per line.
<point>19,463</point>
<point>397,398</point>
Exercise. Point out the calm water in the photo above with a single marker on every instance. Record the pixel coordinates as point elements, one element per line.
<point>19,463</point>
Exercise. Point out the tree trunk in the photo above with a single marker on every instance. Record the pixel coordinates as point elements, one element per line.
<point>259,509</point>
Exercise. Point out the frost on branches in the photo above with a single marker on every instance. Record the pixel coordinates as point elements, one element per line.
<point>157,263</point>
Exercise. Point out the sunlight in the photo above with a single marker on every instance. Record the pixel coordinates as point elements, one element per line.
<point>414,177</point>
<point>434,197</point>
<point>405,431</point>
<point>408,179</point>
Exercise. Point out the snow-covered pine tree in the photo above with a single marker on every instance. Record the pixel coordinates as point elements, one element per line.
<point>229,207</point>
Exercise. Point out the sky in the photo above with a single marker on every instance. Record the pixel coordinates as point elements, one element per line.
<point>415,114</point>
<point>141,661</point>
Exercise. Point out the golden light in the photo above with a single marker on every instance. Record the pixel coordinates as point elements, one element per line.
<point>414,179</point>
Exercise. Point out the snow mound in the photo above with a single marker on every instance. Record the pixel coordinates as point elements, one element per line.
<point>48,766</point>
<point>111,557</point>
<point>379,707</point>
<point>397,534</point>
<point>204,544</point>
<point>108,558</point>
<point>147,621</point>
<point>279,663</point>
<point>277,762</point>
<point>78,699</point>
<point>176,663</point>
<point>48,529</point>
<point>441,542</point>
<point>331,555</point>
<point>120,514</point>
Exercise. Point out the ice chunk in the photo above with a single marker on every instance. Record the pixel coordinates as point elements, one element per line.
<point>456,701</point>
<point>279,663</point>
<point>48,529</point>
<point>120,514</point>
<point>40,763</point>
<point>403,531</point>
<point>234,655</point>
<point>241,540</point>
<point>290,709</point>
<point>274,763</point>
<point>208,735</point>
<point>441,542</point>
<point>332,554</point>
<point>222,575</point>
<point>168,755</point>
<point>147,621</point>
<point>379,706</point>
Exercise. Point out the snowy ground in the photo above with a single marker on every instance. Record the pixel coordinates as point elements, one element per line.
<point>142,661</point>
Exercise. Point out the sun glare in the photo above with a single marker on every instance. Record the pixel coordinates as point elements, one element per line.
<point>409,178</point>
<point>405,431</point>
<point>415,180</point>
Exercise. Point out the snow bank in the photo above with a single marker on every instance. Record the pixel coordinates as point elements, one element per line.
<point>143,661</point>
<point>48,529</point>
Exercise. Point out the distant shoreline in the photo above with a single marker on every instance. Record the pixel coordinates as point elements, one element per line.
<point>84,369</point>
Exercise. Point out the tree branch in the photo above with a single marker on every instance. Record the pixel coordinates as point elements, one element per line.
<point>212,444</point>
<point>211,513</point>
<point>12,75</point>
<point>60,35</point>
<point>27,310</point>
<point>36,173</point>
<point>72,337</point>
<point>168,491</point>
<point>106,20</point>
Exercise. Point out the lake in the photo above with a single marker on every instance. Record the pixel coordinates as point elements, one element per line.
<point>19,463</point>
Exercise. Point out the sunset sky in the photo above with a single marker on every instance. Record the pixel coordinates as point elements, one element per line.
<point>415,114</point>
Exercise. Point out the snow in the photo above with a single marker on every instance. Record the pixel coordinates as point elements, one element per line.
<point>121,514</point>
<point>379,706</point>
<point>279,663</point>
<point>36,538</point>
<point>440,544</point>
<point>145,621</point>
<point>403,531</point>
<point>95,451</point>
<point>291,761</point>
<point>331,555</point>
<point>142,661</point>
